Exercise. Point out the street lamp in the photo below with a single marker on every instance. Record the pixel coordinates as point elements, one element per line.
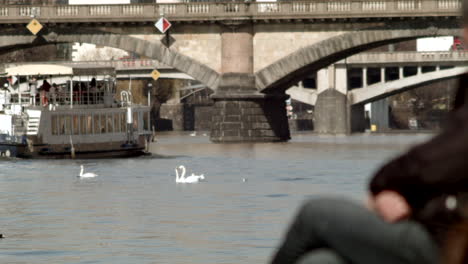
<point>150,86</point>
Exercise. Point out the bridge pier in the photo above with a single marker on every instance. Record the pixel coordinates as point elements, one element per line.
<point>334,113</point>
<point>241,113</point>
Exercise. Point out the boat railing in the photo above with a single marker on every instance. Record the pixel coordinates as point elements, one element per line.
<point>75,98</point>
<point>58,98</point>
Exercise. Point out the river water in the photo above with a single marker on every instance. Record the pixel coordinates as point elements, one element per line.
<point>134,212</point>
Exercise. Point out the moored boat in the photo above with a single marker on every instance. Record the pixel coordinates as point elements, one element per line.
<point>53,111</point>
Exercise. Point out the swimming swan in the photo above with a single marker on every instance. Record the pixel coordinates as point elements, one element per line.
<point>190,179</point>
<point>86,175</point>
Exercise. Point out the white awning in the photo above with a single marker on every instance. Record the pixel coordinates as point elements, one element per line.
<point>39,69</point>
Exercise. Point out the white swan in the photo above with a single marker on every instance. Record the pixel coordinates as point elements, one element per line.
<point>193,134</point>
<point>190,179</point>
<point>86,175</point>
<point>195,178</point>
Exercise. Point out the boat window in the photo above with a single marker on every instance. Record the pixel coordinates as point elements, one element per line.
<point>117,123</point>
<point>123,121</point>
<point>83,125</point>
<point>54,121</point>
<point>61,125</point>
<point>135,120</point>
<point>146,121</point>
<point>67,125</point>
<point>76,125</point>
<point>89,124</point>
<point>110,124</point>
<point>97,124</point>
<point>103,124</point>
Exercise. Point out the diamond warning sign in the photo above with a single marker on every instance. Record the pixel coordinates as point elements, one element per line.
<point>155,74</point>
<point>163,25</point>
<point>34,26</point>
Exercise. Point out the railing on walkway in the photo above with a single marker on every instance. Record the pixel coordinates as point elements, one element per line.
<point>233,10</point>
<point>407,57</point>
<point>58,98</point>
<point>128,64</point>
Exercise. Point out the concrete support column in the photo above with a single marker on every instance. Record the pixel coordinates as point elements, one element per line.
<point>331,108</point>
<point>241,113</point>
<point>364,77</point>
<point>400,73</point>
<point>382,74</point>
<point>357,118</point>
<point>331,112</point>
<point>322,80</point>
<point>380,114</point>
<point>419,70</point>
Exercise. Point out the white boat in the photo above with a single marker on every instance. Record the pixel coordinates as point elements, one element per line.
<point>75,113</point>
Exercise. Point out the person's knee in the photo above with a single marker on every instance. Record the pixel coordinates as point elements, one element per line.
<point>324,207</point>
<point>422,245</point>
<point>322,256</point>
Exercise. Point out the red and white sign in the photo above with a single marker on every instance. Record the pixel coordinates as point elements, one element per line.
<point>163,25</point>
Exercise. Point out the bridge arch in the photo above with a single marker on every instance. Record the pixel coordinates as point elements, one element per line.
<point>381,90</point>
<point>153,50</point>
<point>296,66</point>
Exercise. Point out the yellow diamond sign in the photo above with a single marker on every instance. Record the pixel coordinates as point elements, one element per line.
<point>34,26</point>
<point>155,74</point>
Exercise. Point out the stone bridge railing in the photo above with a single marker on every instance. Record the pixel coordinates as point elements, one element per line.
<point>407,58</point>
<point>315,9</point>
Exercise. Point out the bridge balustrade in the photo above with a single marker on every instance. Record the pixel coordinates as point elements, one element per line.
<point>338,6</point>
<point>169,9</point>
<point>29,11</point>
<point>304,7</point>
<point>67,11</point>
<point>449,4</point>
<point>132,10</point>
<point>230,10</point>
<point>198,8</point>
<point>408,57</point>
<point>4,11</point>
<point>405,5</point>
<point>100,10</point>
<point>374,6</point>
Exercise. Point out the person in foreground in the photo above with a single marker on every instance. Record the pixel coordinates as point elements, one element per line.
<point>416,202</point>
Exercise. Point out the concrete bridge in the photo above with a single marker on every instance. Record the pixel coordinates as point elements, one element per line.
<point>383,74</point>
<point>376,76</point>
<point>249,53</point>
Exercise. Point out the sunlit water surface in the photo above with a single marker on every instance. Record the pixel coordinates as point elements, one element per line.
<point>134,212</point>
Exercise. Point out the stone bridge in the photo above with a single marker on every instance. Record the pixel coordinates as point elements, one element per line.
<point>249,53</point>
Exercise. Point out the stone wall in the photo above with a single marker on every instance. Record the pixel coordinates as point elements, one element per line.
<point>203,116</point>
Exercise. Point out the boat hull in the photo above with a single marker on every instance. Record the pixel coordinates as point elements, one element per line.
<point>42,152</point>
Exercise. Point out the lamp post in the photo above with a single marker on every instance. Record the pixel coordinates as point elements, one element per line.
<point>150,87</point>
